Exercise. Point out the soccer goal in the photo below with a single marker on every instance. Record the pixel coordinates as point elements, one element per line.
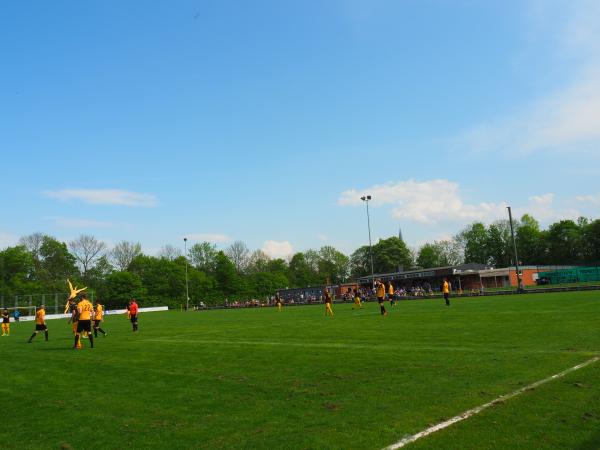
<point>22,311</point>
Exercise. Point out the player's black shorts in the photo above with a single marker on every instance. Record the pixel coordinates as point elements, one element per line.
<point>380,299</point>
<point>133,318</point>
<point>84,325</point>
<point>97,323</point>
<point>41,327</point>
<point>446,295</point>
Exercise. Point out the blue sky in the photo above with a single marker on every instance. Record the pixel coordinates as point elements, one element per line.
<point>265,121</point>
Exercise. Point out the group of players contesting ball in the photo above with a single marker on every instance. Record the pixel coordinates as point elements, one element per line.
<point>382,291</point>
<point>82,314</point>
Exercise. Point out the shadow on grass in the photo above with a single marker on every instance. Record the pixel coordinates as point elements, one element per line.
<point>593,443</point>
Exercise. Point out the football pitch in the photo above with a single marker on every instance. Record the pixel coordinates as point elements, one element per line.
<point>259,378</point>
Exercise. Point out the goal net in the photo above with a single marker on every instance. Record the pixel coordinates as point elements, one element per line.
<point>22,311</point>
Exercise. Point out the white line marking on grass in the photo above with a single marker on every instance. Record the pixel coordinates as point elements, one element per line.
<point>471,412</point>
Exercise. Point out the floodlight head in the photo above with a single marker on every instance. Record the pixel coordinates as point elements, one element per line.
<point>368,197</point>
<point>185,239</point>
<point>363,198</point>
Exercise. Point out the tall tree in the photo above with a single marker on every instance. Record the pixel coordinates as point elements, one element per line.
<point>474,239</point>
<point>120,287</point>
<point>57,264</point>
<point>300,273</point>
<point>391,254</point>
<point>16,270</point>
<point>360,262</point>
<point>258,261</point>
<point>565,243</point>
<point>530,241</point>
<point>87,249</point>
<point>499,244</point>
<point>591,239</point>
<point>334,266</point>
<point>169,252</point>
<point>229,281</point>
<point>203,256</point>
<point>430,255</point>
<point>125,252</point>
<point>239,255</point>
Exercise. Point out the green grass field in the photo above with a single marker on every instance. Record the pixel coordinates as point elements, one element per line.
<point>262,379</point>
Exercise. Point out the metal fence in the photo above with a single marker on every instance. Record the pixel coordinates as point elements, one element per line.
<point>55,303</point>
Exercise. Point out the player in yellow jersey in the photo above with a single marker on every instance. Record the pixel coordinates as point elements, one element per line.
<point>380,291</point>
<point>40,323</point>
<point>5,323</point>
<point>84,324</point>
<point>390,289</point>
<point>357,302</point>
<point>98,316</point>
<point>328,301</point>
<point>278,302</point>
<point>446,291</point>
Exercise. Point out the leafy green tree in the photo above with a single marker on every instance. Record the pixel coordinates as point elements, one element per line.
<point>360,262</point>
<point>163,278</point>
<point>499,244</point>
<point>57,264</point>
<point>334,266</point>
<point>203,256</point>
<point>120,287</point>
<point>300,272</point>
<point>564,240</point>
<point>474,238</point>
<point>258,261</point>
<point>229,283</point>
<point>97,275</point>
<point>591,240</point>
<point>16,270</point>
<point>530,241</point>
<point>430,255</point>
<point>265,283</point>
<point>391,254</point>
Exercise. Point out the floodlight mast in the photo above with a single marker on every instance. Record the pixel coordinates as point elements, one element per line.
<point>512,233</point>
<point>187,289</point>
<point>366,198</point>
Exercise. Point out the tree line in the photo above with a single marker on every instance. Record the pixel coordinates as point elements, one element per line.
<point>40,264</point>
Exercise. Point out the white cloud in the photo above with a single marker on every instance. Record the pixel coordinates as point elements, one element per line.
<point>543,208</point>
<point>567,119</point>
<point>591,199</point>
<point>104,197</point>
<point>278,249</point>
<point>434,201</point>
<point>322,237</point>
<point>425,202</point>
<point>79,223</point>
<point>209,237</point>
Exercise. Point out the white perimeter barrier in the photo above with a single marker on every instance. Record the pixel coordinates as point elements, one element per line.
<point>109,311</point>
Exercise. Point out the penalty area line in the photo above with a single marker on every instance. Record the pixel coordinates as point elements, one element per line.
<point>471,412</point>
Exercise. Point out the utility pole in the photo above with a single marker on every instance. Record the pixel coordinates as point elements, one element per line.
<point>512,233</point>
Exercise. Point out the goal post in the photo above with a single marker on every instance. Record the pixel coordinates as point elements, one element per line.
<point>16,313</point>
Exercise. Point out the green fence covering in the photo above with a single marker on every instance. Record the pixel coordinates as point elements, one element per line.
<point>580,274</point>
